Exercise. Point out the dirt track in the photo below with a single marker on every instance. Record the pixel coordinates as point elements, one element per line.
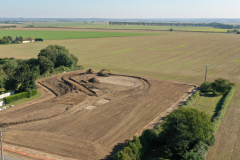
<point>80,126</point>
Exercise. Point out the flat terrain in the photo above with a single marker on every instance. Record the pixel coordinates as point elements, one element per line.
<point>208,103</point>
<point>105,25</point>
<point>174,56</point>
<point>53,35</point>
<point>94,126</point>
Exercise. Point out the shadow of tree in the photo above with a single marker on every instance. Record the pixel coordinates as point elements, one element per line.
<point>218,107</point>
<point>116,149</point>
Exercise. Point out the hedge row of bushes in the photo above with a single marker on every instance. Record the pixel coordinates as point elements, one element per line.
<point>192,98</point>
<point>218,118</point>
<point>39,39</point>
<point>135,149</point>
<point>200,149</point>
<point>19,96</point>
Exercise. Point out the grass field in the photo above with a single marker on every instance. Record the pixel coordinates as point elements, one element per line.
<point>105,25</point>
<point>208,103</point>
<point>176,56</point>
<point>54,35</point>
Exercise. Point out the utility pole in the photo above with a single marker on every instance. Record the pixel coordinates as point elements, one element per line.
<point>2,130</point>
<point>206,72</point>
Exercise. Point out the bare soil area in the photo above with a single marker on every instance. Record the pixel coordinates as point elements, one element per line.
<point>90,127</point>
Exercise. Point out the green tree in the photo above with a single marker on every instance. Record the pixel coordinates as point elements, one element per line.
<point>10,67</point>
<point>75,60</point>
<point>45,64</point>
<point>205,87</point>
<point>59,55</point>
<point>3,78</point>
<point>222,85</point>
<point>20,39</point>
<point>25,78</point>
<point>10,38</point>
<point>11,84</point>
<point>64,59</point>
<point>184,128</point>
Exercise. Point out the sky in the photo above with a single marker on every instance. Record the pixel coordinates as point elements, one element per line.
<point>120,8</point>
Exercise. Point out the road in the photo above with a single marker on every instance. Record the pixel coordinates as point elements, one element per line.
<point>7,157</point>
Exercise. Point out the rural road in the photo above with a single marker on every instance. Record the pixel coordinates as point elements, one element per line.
<point>7,157</point>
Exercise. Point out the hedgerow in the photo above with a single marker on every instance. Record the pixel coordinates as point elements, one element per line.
<point>19,96</point>
<point>218,118</point>
<point>200,150</point>
<point>192,98</point>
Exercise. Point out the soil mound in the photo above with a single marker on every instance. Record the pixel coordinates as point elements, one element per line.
<point>93,80</point>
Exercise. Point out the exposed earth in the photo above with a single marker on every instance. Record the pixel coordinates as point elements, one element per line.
<point>81,119</point>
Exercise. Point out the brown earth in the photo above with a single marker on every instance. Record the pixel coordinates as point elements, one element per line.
<point>93,127</point>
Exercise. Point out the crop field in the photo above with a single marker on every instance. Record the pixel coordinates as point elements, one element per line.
<point>105,25</point>
<point>89,127</point>
<point>54,35</point>
<point>175,56</point>
<point>178,56</point>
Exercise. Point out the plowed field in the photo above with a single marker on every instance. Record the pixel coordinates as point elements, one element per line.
<point>73,124</point>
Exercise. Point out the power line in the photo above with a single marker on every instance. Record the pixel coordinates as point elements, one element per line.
<point>2,130</point>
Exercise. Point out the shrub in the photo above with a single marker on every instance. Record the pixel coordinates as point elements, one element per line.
<point>16,97</point>
<point>34,92</point>
<point>222,85</point>
<point>135,149</point>
<point>205,87</point>
<point>192,98</point>
<point>39,39</point>
<point>19,96</point>
<point>171,29</point>
<point>29,92</point>
<point>218,118</point>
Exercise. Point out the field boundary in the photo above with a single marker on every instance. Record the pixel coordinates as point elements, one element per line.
<point>159,119</point>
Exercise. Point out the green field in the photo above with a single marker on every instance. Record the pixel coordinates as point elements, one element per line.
<point>54,35</point>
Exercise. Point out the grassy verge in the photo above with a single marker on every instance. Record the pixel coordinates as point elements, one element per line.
<point>25,100</point>
<point>208,103</point>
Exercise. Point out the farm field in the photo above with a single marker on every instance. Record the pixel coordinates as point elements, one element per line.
<point>53,35</point>
<point>93,126</point>
<point>179,56</point>
<point>105,25</point>
<point>174,56</point>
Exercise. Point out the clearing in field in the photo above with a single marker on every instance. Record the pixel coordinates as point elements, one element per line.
<point>84,120</point>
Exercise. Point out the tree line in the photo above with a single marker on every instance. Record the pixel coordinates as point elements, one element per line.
<point>214,24</point>
<point>19,75</point>
<point>10,40</point>
<point>2,27</point>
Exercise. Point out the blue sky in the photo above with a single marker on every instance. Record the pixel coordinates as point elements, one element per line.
<point>120,8</point>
